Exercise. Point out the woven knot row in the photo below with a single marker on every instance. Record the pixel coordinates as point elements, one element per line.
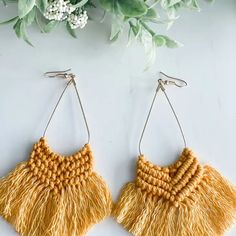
<point>175,182</point>
<point>56,171</point>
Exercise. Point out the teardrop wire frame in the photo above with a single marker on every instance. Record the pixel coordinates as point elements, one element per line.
<point>162,82</point>
<point>71,77</point>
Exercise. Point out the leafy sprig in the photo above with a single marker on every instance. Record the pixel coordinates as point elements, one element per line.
<point>137,15</point>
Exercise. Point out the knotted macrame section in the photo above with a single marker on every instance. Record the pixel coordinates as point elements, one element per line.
<point>53,195</point>
<point>183,199</point>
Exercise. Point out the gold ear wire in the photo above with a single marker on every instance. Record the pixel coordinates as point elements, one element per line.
<point>61,74</point>
<point>169,80</point>
<point>162,82</point>
<point>65,75</point>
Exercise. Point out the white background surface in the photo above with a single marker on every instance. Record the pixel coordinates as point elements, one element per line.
<point>116,94</point>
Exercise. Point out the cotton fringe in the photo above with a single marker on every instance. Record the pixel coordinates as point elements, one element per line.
<point>34,209</point>
<point>209,213</point>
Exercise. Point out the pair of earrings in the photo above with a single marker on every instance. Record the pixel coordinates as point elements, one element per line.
<point>55,195</point>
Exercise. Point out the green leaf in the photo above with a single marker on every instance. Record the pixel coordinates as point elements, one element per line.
<point>25,37</point>
<point>164,4</point>
<point>151,14</point>
<point>9,21</point>
<point>135,28</point>
<point>4,3</point>
<point>116,27</point>
<point>70,30</point>
<point>159,40</point>
<point>39,20</point>
<point>134,31</point>
<point>132,8</point>
<point>50,26</point>
<point>42,5</point>
<point>30,17</point>
<point>173,2</point>
<point>149,47</point>
<point>25,6</point>
<point>17,28</point>
<point>107,4</point>
<point>20,31</point>
<point>91,4</point>
<point>80,4</point>
<point>171,43</point>
<point>9,1</point>
<point>195,5</point>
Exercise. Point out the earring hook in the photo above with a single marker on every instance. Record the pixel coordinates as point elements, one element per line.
<point>162,82</point>
<point>59,73</point>
<point>165,79</point>
<point>65,75</point>
<point>62,74</point>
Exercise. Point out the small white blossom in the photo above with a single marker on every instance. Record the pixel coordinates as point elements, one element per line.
<point>78,21</point>
<point>59,10</point>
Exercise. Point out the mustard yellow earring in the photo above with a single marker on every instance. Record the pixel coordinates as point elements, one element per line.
<point>182,199</point>
<point>55,195</point>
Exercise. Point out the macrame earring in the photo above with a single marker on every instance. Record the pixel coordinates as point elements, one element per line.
<point>55,195</point>
<point>182,199</point>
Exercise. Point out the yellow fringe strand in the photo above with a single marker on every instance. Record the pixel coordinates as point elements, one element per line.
<point>184,199</point>
<point>51,195</point>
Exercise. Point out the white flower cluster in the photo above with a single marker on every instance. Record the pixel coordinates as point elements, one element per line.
<point>60,10</point>
<point>78,21</point>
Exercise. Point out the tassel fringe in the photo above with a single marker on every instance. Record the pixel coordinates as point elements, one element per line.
<point>34,208</point>
<point>207,210</point>
<point>34,211</point>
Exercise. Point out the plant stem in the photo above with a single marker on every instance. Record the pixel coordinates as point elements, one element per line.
<point>145,26</point>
